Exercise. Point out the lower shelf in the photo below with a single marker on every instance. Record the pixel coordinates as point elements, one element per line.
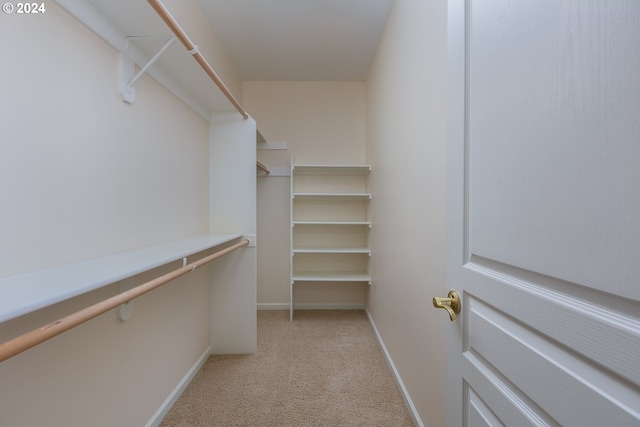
<point>331,250</point>
<point>28,292</point>
<point>330,276</point>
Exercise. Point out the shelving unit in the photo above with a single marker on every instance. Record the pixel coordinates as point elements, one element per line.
<point>329,224</point>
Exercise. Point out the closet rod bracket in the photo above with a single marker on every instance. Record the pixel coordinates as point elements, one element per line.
<point>252,240</point>
<point>127,71</point>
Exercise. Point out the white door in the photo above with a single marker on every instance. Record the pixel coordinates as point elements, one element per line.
<point>544,213</point>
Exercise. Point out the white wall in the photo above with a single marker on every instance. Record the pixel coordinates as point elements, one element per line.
<point>406,138</point>
<point>322,123</point>
<point>273,249</point>
<point>83,174</point>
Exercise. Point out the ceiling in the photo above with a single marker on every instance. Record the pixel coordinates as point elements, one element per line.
<point>299,40</point>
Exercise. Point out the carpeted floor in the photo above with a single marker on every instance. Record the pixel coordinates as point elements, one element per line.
<point>324,369</point>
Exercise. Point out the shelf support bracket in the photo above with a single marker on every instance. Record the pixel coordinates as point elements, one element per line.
<point>127,70</point>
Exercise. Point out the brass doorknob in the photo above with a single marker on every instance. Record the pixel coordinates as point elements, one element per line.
<point>451,304</point>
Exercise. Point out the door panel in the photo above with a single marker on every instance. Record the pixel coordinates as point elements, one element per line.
<point>552,370</point>
<point>479,414</point>
<point>507,402</point>
<point>544,212</point>
<point>553,91</point>
<point>602,328</point>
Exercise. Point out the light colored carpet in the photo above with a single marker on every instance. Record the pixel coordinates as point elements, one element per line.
<point>324,369</point>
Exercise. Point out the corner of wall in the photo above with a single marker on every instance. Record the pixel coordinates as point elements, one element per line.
<point>232,186</point>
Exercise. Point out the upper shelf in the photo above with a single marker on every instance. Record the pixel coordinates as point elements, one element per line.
<point>134,28</point>
<point>32,291</point>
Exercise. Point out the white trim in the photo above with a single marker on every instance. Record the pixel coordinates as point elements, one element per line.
<point>396,374</point>
<point>162,411</point>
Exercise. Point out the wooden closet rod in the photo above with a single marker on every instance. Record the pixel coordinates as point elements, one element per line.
<point>31,339</point>
<point>263,167</point>
<point>173,25</point>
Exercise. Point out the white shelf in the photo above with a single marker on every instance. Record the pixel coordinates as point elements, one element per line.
<point>330,250</point>
<point>332,169</point>
<point>333,276</point>
<point>323,196</point>
<point>367,223</point>
<point>349,196</point>
<point>32,291</point>
<point>134,28</point>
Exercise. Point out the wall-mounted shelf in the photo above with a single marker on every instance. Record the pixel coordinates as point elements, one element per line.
<point>136,30</point>
<point>330,250</point>
<point>351,196</point>
<point>25,293</point>
<point>329,224</point>
<point>325,276</point>
<point>303,169</point>
<point>366,223</point>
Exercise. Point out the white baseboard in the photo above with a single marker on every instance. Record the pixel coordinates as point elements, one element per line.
<point>396,374</point>
<point>157,418</point>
